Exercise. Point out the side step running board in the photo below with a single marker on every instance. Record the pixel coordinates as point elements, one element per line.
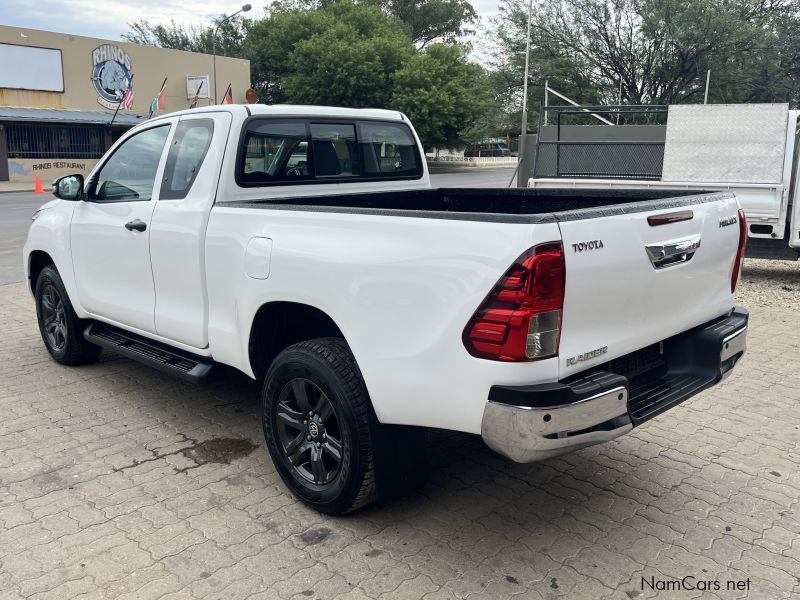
<point>185,365</point>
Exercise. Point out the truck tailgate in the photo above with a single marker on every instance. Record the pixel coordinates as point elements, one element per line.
<point>636,278</point>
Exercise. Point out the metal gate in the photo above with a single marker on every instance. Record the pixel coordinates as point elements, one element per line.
<point>45,140</point>
<point>616,142</point>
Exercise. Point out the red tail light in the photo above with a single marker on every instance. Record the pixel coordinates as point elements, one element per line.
<point>520,319</point>
<point>737,264</point>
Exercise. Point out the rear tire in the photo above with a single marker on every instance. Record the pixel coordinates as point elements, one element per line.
<point>316,414</point>
<point>60,327</point>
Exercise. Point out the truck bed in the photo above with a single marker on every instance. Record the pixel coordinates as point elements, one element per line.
<point>498,205</point>
<point>402,273</point>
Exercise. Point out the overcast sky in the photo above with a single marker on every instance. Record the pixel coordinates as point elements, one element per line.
<point>108,18</point>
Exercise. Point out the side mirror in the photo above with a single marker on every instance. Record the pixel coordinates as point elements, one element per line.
<point>69,187</point>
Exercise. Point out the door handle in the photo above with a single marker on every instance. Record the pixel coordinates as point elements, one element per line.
<point>673,252</point>
<point>136,225</point>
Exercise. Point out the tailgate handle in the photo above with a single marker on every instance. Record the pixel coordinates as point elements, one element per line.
<point>665,254</point>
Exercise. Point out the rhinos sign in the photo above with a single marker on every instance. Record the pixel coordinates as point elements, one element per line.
<point>111,74</point>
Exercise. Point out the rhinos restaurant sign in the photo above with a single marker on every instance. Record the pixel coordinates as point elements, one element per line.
<point>111,74</point>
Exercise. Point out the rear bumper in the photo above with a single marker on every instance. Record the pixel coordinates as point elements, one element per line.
<point>530,423</point>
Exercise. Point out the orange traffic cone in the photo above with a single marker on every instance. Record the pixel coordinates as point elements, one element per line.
<point>38,188</point>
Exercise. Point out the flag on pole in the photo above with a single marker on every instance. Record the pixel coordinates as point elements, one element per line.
<point>127,98</point>
<point>197,94</point>
<point>228,97</point>
<point>159,101</point>
<point>126,101</point>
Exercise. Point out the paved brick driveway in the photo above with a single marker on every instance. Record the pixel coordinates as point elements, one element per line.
<point>119,482</point>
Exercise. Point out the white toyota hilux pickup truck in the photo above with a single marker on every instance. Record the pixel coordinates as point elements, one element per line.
<point>305,247</point>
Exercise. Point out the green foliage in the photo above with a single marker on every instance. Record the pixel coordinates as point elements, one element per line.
<point>229,38</point>
<point>658,50</point>
<point>442,93</point>
<point>425,21</point>
<point>343,54</point>
<point>432,20</point>
<point>375,53</point>
<point>269,46</point>
<point>500,118</point>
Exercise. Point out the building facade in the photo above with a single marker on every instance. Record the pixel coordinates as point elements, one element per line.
<point>59,94</point>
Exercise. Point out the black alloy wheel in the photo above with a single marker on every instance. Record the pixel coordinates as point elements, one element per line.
<point>54,319</point>
<point>61,329</point>
<point>317,420</point>
<point>309,431</point>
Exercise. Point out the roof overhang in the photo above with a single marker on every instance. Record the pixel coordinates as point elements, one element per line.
<point>51,115</point>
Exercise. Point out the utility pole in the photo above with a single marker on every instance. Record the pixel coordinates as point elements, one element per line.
<point>708,80</point>
<point>524,128</point>
<point>244,9</point>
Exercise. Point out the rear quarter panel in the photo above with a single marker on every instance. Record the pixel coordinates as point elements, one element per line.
<point>400,289</point>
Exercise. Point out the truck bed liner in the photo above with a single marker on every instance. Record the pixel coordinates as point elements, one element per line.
<point>493,204</point>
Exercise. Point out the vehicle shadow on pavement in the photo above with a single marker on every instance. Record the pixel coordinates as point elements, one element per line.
<point>468,481</point>
<point>474,498</point>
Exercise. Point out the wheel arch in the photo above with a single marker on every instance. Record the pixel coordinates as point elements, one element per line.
<point>37,260</point>
<point>278,325</point>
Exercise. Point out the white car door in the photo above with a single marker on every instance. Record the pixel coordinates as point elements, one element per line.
<point>110,234</point>
<point>177,240</point>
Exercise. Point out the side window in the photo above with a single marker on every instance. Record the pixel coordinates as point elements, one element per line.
<point>389,150</point>
<point>130,173</point>
<point>274,151</point>
<point>189,146</point>
<point>334,150</point>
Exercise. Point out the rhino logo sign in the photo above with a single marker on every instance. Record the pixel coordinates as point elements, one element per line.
<point>111,74</point>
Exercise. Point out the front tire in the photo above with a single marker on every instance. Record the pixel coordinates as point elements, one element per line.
<point>316,415</point>
<point>61,329</point>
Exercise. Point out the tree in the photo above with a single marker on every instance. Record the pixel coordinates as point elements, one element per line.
<point>658,50</point>
<point>269,46</point>
<point>425,20</point>
<point>499,118</point>
<point>359,54</point>
<point>432,20</point>
<point>442,93</point>
<point>565,70</point>
<point>229,38</point>
<point>342,54</point>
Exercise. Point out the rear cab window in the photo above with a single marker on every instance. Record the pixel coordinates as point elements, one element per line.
<point>389,150</point>
<point>281,151</point>
<point>334,150</point>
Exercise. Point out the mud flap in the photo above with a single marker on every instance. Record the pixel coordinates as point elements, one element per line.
<point>400,455</point>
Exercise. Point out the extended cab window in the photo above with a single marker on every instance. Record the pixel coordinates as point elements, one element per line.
<point>189,146</point>
<point>388,150</point>
<point>274,151</point>
<point>280,151</point>
<point>130,173</point>
<point>334,150</point>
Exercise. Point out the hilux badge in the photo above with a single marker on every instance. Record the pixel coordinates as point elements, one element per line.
<point>725,221</point>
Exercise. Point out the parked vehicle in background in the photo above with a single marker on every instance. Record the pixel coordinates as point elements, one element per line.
<point>487,149</point>
<point>304,247</point>
<point>748,149</point>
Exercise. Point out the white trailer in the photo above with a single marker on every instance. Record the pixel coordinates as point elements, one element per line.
<point>749,149</point>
